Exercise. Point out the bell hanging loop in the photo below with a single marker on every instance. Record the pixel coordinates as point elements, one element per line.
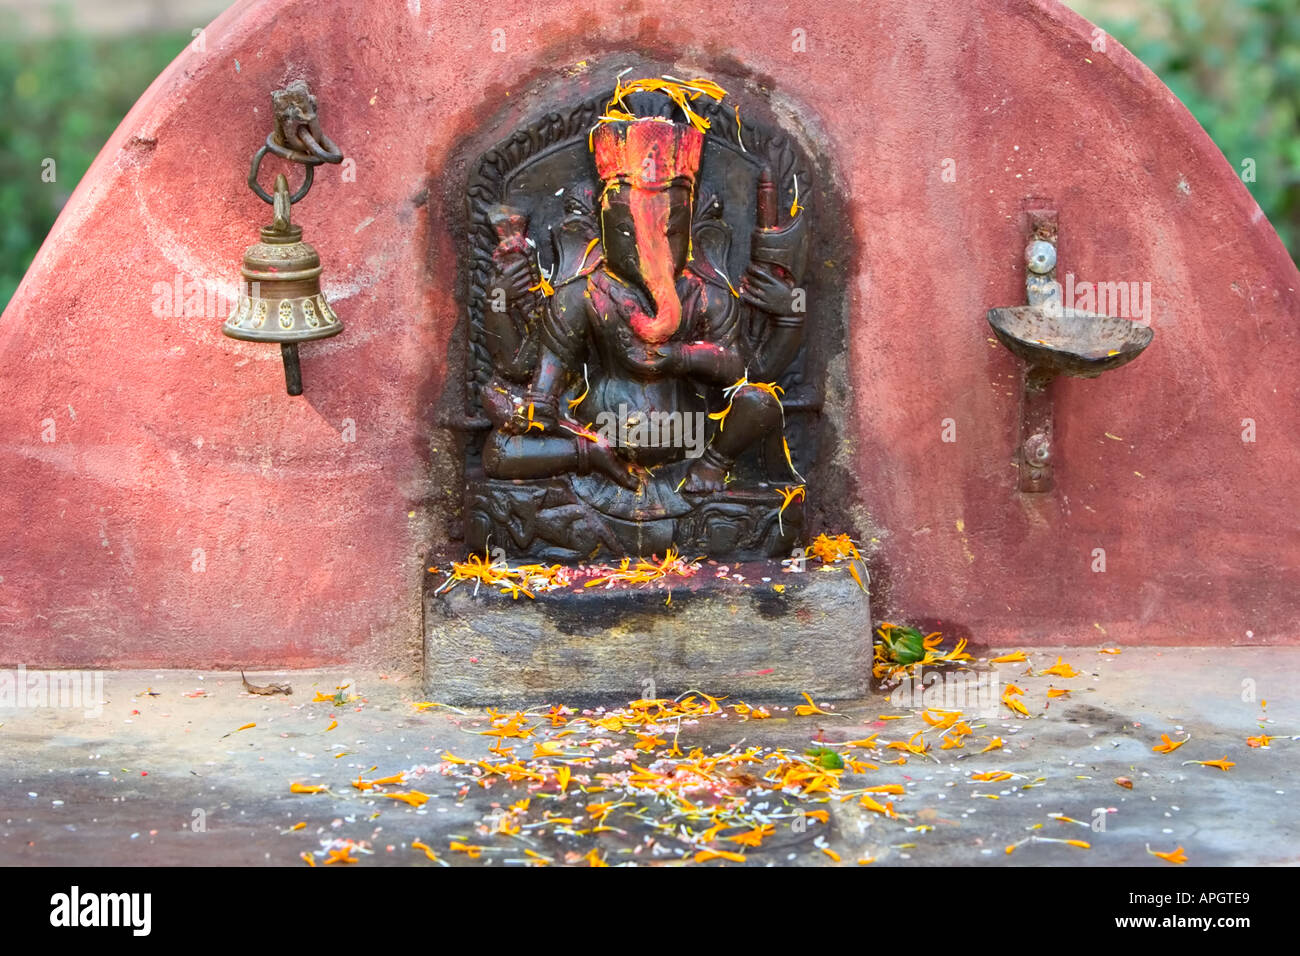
<point>281,299</point>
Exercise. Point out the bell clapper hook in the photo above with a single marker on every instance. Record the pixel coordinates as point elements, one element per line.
<point>283,207</point>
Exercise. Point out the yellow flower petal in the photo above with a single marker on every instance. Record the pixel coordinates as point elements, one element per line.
<point>1059,669</point>
<point>1224,764</point>
<point>1167,746</point>
<point>810,708</point>
<point>414,797</point>
<point>428,850</point>
<point>703,856</point>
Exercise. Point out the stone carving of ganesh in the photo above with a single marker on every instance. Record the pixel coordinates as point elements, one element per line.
<point>625,385</point>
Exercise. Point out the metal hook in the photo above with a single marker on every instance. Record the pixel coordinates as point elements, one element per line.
<point>329,153</point>
<point>262,194</point>
<point>296,124</point>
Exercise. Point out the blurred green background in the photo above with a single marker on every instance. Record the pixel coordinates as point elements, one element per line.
<point>1235,64</point>
<point>63,94</point>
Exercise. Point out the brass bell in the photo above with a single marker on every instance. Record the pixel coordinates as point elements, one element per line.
<point>280,299</point>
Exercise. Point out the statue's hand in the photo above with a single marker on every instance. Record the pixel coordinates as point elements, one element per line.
<point>530,416</point>
<point>647,359</point>
<point>709,360</point>
<point>672,358</point>
<point>514,276</point>
<point>514,425</point>
<point>607,461</point>
<point>761,288</point>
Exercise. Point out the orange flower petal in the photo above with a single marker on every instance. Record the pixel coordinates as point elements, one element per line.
<point>1173,856</point>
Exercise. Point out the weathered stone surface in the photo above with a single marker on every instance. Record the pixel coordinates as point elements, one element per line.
<point>745,640</point>
<point>1143,685</point>
<point>142,447</point>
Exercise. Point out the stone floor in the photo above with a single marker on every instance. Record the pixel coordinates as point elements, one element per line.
<point>165,776</point>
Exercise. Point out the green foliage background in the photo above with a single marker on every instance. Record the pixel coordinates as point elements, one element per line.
<point>1234,63</point>
<point>61,97</point>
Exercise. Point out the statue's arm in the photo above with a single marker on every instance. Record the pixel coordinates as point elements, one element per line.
<point>711,362</point>
<point>510,335</point>
<point>715,356</point>
<point>775,298</point>
<point>563,349</point>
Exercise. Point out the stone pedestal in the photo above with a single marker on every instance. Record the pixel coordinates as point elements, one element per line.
<point>746,640</point>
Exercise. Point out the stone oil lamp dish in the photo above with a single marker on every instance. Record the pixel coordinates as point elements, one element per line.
<point>1054,340</point>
